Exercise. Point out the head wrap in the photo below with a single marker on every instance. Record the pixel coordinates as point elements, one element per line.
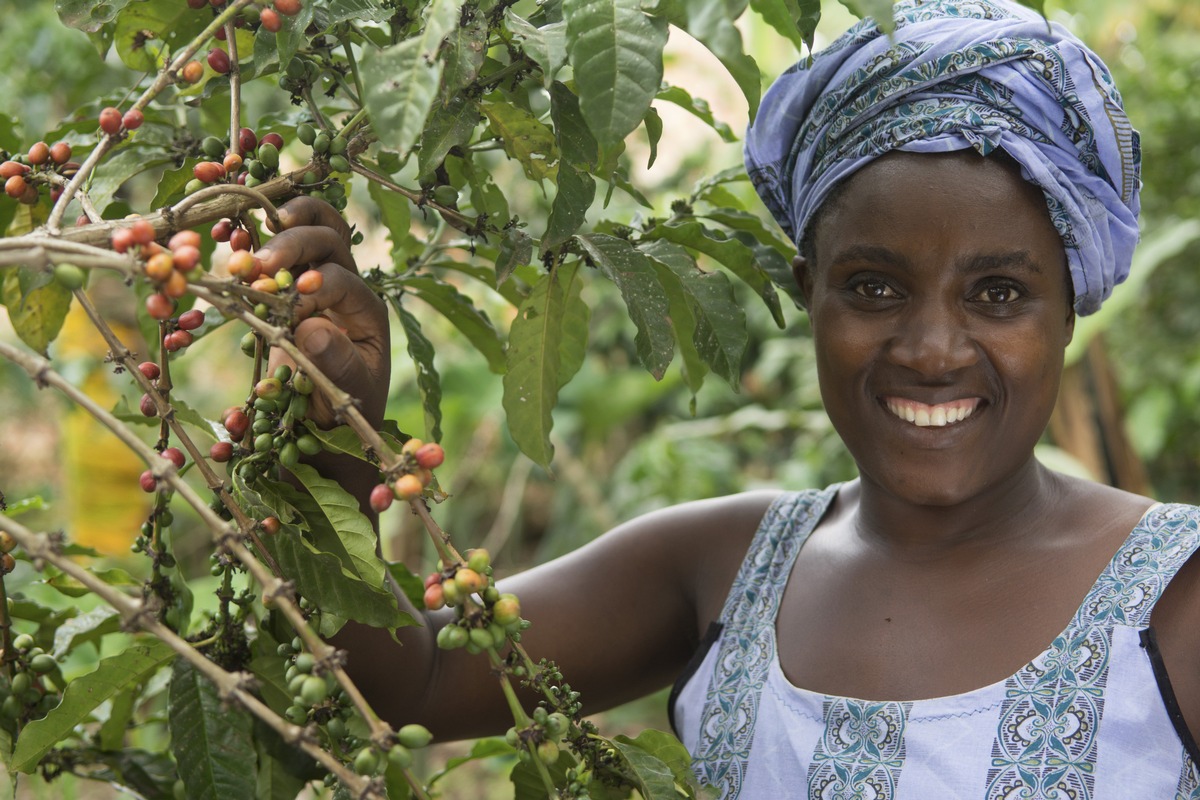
<point>958,74</point>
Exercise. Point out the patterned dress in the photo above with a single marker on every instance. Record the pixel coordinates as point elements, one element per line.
<point>1093,717</point>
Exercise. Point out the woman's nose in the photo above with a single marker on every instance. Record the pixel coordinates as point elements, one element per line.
<point>933,339</point>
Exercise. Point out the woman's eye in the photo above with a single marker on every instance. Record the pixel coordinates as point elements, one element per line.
<point>875,290</point>
<point>999,294</point>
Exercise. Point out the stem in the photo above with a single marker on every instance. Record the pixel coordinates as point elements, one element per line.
<point>441,541</point>
<point>235,89</point>
<point>520,717</point>
<point>5,631</point>
<point>354,122</point>
<point>222,190</point>
<point>452,215</point>
<point>349,50</point>
<point>231,686</point>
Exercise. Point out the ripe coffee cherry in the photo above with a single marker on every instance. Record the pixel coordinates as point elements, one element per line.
<point>7,565</point>
<point>236,422</point>
<point>192,72</point>
<point>273,139</point>
<point>175,456</point>
<point>271,526</point>
<point>149,369</point>
<point>232,163</point>
<point>190,320</point>
<point>197,3</point>
<point>309,282</point>
<point>270,19</point>
<point>122,239</point>
<point>221,452</point>
<point>133,119</point>
<point>142,231</point>
<point>60,153</point>
<point>381,498</point>
<point>288,7</point>
<point>408,487</point>
<point>208,171</point>
<point>10,168</point>
<point>241,264</point>
<point>239,239</point>
<point>110,120</point>
<point>184,238</point>
<point>430,456</point>
<point>148,481</point>
<point>247,139</point>
<point>159,306</point>
<point>175,285</point>
<point>15,187</point>
<point>265,285</point>
<point>177,340</point>
<point>222,230</point>
<point>187,258</point>
<point>435,597</point>
<point>38,154</point>
<point>147,406</point>
<point>218,59</point>
<point>411,446</point>
<point>160,267</point>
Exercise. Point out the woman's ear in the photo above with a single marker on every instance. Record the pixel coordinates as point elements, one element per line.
<point>803,277</point>
<point>1070,324</point>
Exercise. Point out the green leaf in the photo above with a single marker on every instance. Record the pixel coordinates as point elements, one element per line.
<point>114,674</point>
<point>272,780</point>
<point>462,313</point>
<point>575,140</point>
<point>88,15</point>
<point>576,191</point>
<point>120,166</point>
<point>87,627</point>
<point>733,254</point>
<point>321,578</point>
<point>546,45</point>
<point>464,52</point>
<point>711,23</point>
<point>754,225</point>
<point>38,316</point>
<point>1037,5</point>
<point>448,127</point>
<point>172,183</point>
<point>616,51</point>
<point>664,747</point>
<point>515,250</point>
<point>402,81</point>
<point>527,780</point>
<point>410,583</point>
<point>697,107</point>
<point>211,740</point>
<point>294,34</point>
<point>655,781</point>
<point>396,213</point>
<point>358,10</point>
<point>634,275</point>
<point>526,138</point>
<point>351,525</point>
<point>149,775</point>
<point>544,351</point>
<point>483,748</point>
<point>785,17</point>
<point>879,10</point>
<point>420,349</point>
<point>148,32</point>
<point>654,132</point>
<point>71,587</point>
<point>343,439</point>
<point>720,335</point>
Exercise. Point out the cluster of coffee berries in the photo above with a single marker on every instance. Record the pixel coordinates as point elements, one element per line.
<point>112,121</point>
<point>419,460</point>
<point>487,619</point>
<point>27,695</point>
<point>7,562</point>
<point>168,268</point>
<point>369,761</point>
<point>541,737</point>
<point>253,161</point>
<point>269,18</point>
<point>315,697</point>
<point>22,174</point>
<point>276,433</point>
<point>332,150</point>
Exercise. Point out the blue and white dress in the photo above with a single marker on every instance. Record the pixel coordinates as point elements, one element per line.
<point>1093,717</point>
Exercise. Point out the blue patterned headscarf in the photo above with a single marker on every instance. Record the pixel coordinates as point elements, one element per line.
<point>959,74</point>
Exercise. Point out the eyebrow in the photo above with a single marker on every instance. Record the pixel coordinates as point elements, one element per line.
<point>973,265</point>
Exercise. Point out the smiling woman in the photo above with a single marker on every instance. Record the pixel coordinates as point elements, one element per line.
<point>959,621</point>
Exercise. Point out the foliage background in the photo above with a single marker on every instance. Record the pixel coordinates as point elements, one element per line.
<point>625,443</point>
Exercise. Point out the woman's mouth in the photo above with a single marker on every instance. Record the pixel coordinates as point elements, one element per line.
<point>936,416</point>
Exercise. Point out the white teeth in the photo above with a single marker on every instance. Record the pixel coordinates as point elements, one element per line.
<point>932,416</point>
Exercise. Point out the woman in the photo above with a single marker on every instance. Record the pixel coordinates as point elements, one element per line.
<point>959,621</point>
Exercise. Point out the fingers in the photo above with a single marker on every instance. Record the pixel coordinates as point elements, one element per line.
<point>350,302</point>
<point>302,211</point>
<point>301,246</point>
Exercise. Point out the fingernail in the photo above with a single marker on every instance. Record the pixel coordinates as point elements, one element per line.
<point>318,342</point>
<point>284,216</point>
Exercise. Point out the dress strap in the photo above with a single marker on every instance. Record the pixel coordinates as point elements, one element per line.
<point>1125,593</point>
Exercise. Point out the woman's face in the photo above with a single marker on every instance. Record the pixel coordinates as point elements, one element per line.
<point>940,312</point>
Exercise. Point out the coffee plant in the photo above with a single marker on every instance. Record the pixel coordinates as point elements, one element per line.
<point>484,133</point>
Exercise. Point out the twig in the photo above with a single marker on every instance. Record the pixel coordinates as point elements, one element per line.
<point>441,541</point>
<point>235,89</point>
<point>453,216</point>
<point>223,190</point>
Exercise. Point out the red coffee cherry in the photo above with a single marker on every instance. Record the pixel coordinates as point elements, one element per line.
<point>381,498</point>
<point>288,7</point>
<point>133,119</point>
<point>110,120</point>
<point>222,230</point>
<point>60,153</point>
<point>175,456</point>
<point>271,21</point>
<point>241,264</point>
<point>177,340</point>
<point>142,231</point>
<point>221,452</point>
<point>236,422</point>
<point>247,139</point>
<point>11,168</point>
<point>122,239</point>
<point>38,154</point>
<point>271,526</point>
<point>232,163</point>
<point>190,320</point>
<point>147,406</point>
<point>197,3</point>
<point>187,258</point>
<point>209,171</point>
<point>15,187</point>
<point>430,456</point>
<point>218,59</point>
<point>408,487</point>
<point>309,282</point>
<point>239,239</point>
<point>7,563</point>
<point>149,369</point>
<point>182,238</point>
<point>160,267</point>
<point>435,597</point>
<point>148,481</point>
<point>272,139</point>
<point>159,306</point>
<point>192,72</point>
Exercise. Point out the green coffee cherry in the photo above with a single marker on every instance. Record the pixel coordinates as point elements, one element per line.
<point>249,342</point>
<point>303,384</point>
<point>22,642</point>
<point>321,143</point>
<point>297,714</point>
<point>309,444</point>
<point>21,683</point>
<point>366,762</point>
<point>305,662</point>
<point>338,163</point>
<point>452,637</point>
<point>268,155</point>
<point>414,736</point>
<point>256,168</point>
<point>481,638</point>
<point>264,443</point>
<point>193,186</point>
<point>306,133</point>
<point>445,195</point>
<point>338,145</point>
<point>289,455</point>
<point>313,691</point>
<point>400,757</point>
<point>69,276</point>
<point>213,147</point>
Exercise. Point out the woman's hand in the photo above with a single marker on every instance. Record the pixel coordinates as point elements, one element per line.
<point>343,326</point>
